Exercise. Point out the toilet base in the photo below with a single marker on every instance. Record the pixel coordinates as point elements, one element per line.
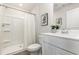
<point>36,52</point>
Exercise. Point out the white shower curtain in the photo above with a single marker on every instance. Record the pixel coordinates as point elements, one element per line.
<point>17,30</point>
<point>29,36</point>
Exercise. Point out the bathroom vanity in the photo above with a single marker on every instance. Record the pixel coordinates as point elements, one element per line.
<point>59,44</point>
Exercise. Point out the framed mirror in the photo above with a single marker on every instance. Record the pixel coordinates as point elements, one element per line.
<point>67,15</point>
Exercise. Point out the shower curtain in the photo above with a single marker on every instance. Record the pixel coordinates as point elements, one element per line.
<point>17,30</point>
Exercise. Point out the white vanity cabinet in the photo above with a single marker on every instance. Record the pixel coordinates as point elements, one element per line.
<point>53,45</point>
<point>49,49</point>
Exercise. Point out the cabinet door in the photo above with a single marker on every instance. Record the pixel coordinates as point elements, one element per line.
<point>48,49</point>
<point>65,43</point>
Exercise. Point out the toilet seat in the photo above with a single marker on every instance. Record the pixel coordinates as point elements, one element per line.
<point>34,47</point>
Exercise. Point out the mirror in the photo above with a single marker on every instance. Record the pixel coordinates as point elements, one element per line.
<point>69,13</point>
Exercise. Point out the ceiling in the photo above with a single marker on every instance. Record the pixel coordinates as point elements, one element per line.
<point>58,6</point>
<point>25,6</point>
<point>29,6</point>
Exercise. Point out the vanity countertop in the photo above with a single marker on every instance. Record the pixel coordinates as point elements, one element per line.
<point>64,35</point>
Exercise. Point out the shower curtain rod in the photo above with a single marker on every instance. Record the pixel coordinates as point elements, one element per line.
<point>16,9</point>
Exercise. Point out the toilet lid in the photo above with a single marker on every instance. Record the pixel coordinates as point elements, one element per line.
<point>34,47</point>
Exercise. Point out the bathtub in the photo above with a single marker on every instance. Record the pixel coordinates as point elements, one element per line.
<point>12,49</point>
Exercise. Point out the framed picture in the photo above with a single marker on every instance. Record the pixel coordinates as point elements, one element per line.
<point>59,21</point>
<point>44,19</point>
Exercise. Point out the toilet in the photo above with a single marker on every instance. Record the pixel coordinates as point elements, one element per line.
<point>34,49</point>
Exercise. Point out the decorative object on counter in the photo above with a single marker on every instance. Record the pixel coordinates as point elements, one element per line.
<point>44,19</point>
<point>59,21</point>
<point>54,28</point>
<point>64,31</point>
